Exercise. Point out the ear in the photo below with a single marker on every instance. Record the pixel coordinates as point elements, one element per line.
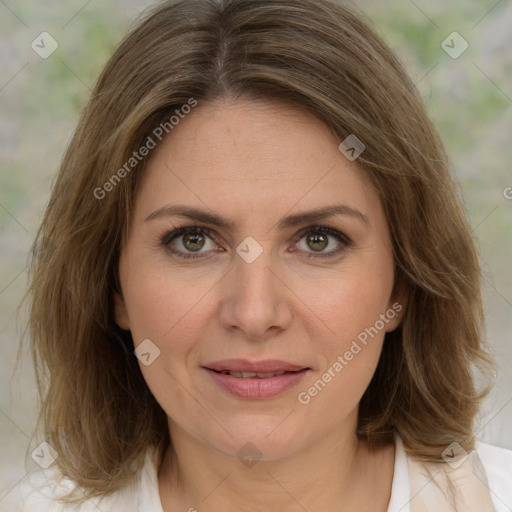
<point>120,312</point>
<point>397,304</point>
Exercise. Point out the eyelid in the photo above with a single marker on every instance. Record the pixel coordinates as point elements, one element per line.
<point>317,228</point>
<point>341,237</point>
<point>322,228</point>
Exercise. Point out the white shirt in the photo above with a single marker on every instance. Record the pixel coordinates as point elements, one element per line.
<point>35,492</point>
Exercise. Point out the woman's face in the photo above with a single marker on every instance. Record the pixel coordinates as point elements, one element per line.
<point>265,289</point>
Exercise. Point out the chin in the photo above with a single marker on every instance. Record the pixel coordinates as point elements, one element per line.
<point>258,438</point>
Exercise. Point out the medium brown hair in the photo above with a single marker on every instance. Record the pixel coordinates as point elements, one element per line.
<point>97,411</point>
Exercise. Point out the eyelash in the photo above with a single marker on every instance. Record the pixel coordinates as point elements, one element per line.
<point>324,230</point>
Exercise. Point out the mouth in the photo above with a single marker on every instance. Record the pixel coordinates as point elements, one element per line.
<point>258,375</point>
<point>255,380</point>
<point>257,367</point>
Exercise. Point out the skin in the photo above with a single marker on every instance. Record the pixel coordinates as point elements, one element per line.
<point>255,163</point>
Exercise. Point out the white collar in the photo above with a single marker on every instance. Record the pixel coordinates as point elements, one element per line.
<point>400,488</point>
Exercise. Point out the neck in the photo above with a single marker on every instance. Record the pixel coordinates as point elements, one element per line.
<point>337,472</point>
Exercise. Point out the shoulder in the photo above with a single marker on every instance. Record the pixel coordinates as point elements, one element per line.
<point>42,491</point>
<point>497,462</point>
<point>485,480</point>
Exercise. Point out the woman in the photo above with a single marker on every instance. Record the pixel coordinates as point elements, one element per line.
<point>254,287</point>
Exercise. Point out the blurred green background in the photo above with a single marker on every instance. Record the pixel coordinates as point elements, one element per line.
<point>469,99</point>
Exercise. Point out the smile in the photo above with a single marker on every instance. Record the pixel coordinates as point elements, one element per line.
<point>251,385</point>
<point>249,375</point>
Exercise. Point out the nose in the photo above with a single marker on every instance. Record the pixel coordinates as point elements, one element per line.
<point>255,298</point>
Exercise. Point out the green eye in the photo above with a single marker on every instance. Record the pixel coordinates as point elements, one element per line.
<point>317,239</point>
<point>194,239</point>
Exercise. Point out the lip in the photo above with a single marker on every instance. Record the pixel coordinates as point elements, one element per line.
<point>256,387</point>
<point>244,365</point>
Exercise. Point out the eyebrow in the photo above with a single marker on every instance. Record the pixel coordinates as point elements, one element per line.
<point>287,222</point>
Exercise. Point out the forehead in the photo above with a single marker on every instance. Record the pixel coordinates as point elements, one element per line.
<point>237,131</point>
<point>247,157</point>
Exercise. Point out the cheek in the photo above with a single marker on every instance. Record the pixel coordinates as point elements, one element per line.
<point>353,310</point>
<point>346,303</point>
<point>350,323</point>
<point>162,302</point>
<point>167,312</point>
